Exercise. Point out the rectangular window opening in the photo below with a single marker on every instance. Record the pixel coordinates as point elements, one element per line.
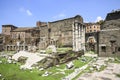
<point>103,48</point>
<point>119,49</point>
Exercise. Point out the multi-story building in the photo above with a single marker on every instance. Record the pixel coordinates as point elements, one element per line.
<point>91,34</point>
<point>92,27</point>
<point>58,33</point>
<point>19,36</point>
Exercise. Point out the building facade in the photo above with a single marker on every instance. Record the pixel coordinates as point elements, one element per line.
<point>92,30</point>
<point>109,36</point>
<point>58,33</point>
<point>61,31</point>
<point>92,27</point>
<point>14,36</point>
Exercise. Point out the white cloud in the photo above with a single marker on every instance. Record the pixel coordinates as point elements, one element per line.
<point>29,12</point>
<point>26,11</point>
<point>98,19</point>
<point>59,16</point>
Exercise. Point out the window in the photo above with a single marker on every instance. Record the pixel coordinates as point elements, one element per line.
<point>49,30</point>
<point>94,30</point>
<point>119,49</point>
<point>90,26</point>
<point>90,30</point>
<point>94,26</point>
<point>103,48</point>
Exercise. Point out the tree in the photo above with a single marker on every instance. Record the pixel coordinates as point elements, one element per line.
<point>100,22</point>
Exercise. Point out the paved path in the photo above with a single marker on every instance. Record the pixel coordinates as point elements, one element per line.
<point>76,72</point>
<point>108,74</point>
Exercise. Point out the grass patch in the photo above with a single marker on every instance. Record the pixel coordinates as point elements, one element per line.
<point>8,52</point>
<point>82,64</point>
<point>90,52</point>
<point>12,71</point>
<point>117,60</point>
<point>60,50</point>
<point>63,50</point>
<point>118,75</point>
<point>48,51</point>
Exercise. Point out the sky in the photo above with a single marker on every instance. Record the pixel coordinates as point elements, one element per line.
<point>25,13</point>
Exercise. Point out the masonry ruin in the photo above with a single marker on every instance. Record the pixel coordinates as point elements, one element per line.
<point>61,33</point>
<point>109,36</point>
<point>69,32</point>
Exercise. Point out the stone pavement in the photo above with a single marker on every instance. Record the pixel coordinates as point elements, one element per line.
<point>76,72</point>
<point>107,74</point>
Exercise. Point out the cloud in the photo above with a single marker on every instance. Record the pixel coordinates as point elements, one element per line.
<point>98,19</point>
<point>59,16</point>
<point>26,11</point>
<point>29,12</point>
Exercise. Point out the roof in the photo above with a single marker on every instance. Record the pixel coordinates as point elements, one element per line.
<point>67,19</point>
<point>88,24</point>
<point>8,25</point>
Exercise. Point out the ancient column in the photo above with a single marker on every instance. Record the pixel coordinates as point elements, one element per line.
<point>73,29</point>
<point>79,37</point>
<point>76,30</point>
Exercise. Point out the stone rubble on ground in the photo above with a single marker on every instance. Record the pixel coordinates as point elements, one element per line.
<point>42,51</point>
<point>41,69</point>
<point>46,74</point>
<point>9,61</point>
<point>108,73</point>
<point>69,65</point>
<point>52,47</point>
<point>32,58</point>
<point>83,59</point>
<point>76,72</point>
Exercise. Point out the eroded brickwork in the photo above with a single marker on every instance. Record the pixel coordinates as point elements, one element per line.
<point>109,37</point>
<point>58,33</point>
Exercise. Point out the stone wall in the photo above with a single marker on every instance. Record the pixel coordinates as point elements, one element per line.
<point>7,28</point>
<point>112,24</point>
<point>113,15</point>
<point>109,37</point>
<point>1,42</point>
<point>44,34</point>
<point>109,44</point>
<point>18,35</point>
<point>57,33</point>
<point>62,30</point>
